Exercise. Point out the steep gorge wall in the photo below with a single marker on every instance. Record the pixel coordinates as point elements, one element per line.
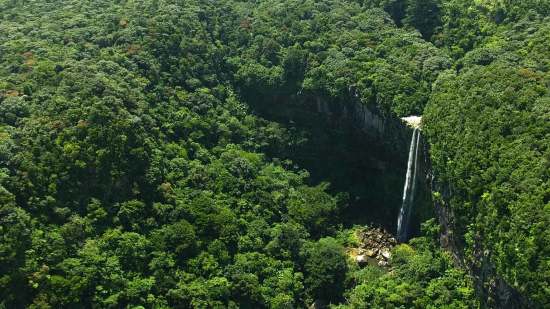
<point>394,136</point>
<point>385,129</point>
<point>493,290</point>
<point>366,147</point>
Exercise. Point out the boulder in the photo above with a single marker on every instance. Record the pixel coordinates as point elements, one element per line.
<point>361,259</point>
<point>385,253</point>
<point>371,252</point>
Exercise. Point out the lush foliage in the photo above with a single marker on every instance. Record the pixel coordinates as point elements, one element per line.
<point>489,125</point>
<point>135,170</point>
<point>335,50</point>
<point>133,175</point>
<point>422,276</point>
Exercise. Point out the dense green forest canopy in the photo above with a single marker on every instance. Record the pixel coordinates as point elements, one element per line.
<point>489,127</point>
<point>135,172</point>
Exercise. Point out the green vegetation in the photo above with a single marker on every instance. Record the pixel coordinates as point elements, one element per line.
<point>422,277</point>
<point>489,129</point>
<point>137,169</point>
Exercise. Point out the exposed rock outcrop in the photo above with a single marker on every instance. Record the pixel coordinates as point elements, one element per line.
<point>374,247</point>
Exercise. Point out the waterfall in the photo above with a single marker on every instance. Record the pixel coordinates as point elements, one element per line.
<point>408,192</point>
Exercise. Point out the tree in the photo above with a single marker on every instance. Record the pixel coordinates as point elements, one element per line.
<point>325,270</point>
<point>15,232</point>
<point>178,238</point>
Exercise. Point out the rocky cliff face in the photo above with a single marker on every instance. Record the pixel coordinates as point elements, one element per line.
<point>493,290</point>
<point>394,135</point>
<point>385,129</point>
<point>361,151</point>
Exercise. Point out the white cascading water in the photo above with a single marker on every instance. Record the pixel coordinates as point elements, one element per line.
<point>408,191</point>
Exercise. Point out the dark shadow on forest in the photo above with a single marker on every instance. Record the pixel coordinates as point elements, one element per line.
<point>353,162</point>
